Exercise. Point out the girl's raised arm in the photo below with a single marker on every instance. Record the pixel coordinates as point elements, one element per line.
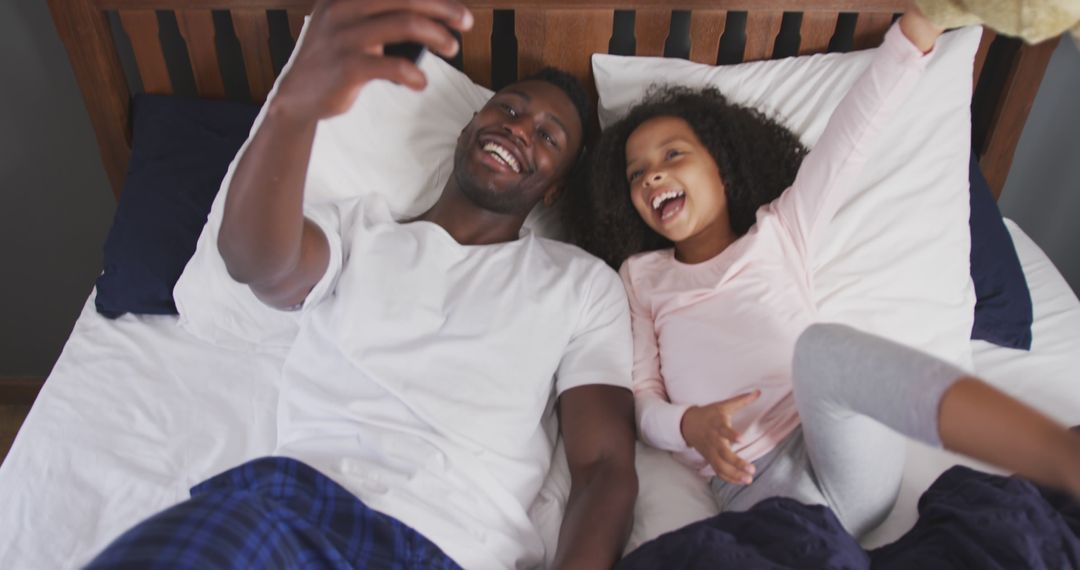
<point>830,170</point>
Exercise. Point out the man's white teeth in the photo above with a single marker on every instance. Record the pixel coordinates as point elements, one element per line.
<point>664,197</point>
<point>500,152</point>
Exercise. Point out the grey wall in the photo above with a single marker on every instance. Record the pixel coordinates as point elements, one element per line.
<point>56,204</point>
<point>55,201</point>
<point>1042,193</point>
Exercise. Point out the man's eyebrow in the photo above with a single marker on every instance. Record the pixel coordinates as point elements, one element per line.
<point>555,118</point>
<point>528,98</point>
<point>519,93</point>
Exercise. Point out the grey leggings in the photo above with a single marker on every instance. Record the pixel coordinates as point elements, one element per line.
<point>858,395</point>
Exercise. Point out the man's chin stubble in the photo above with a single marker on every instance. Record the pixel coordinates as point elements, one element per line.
<point>505,202</point>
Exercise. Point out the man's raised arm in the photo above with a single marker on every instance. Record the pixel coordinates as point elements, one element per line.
<point>265,240</point>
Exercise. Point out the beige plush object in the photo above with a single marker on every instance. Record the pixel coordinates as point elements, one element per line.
<point>1031,20</point>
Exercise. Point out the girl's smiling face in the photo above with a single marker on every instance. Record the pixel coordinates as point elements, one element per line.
<point>674,181</point>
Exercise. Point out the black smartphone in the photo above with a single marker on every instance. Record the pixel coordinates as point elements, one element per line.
<point>408,50</point>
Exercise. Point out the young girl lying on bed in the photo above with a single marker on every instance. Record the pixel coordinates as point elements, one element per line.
<point>731,372</point>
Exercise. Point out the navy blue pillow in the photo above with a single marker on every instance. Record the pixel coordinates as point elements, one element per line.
<point>1003,301</point>
<point>181,150</point>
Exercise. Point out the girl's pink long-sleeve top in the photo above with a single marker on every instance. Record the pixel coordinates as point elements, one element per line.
<point>714,330</point>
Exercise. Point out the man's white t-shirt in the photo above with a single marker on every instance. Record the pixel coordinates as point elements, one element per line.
<point>424,373</point>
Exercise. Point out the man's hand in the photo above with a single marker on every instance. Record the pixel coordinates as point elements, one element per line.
<point>265,240</point>
<point>343,50</point>
<point>708,430</point>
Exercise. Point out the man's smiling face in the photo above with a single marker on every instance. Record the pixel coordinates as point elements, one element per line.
<point>518,148</point>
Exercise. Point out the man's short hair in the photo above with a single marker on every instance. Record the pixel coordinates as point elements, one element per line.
<point>573,89</point>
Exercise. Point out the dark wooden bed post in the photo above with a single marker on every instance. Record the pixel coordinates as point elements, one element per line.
<point>84,30</point>
<point>476,47</point>
<point>1006,92</point>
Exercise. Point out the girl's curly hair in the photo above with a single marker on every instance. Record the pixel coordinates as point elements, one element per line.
<point>758,158</point>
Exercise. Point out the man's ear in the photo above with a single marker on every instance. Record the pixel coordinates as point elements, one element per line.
<point>551,195</point>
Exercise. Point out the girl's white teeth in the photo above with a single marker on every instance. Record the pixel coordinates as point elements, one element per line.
<point>502,154</point>
<point>661,198</point>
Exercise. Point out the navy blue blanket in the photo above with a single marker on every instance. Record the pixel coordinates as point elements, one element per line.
<point>967,519</point>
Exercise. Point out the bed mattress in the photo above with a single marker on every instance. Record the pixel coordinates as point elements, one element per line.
<point>136,411</point>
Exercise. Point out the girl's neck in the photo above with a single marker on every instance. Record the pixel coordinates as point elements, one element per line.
<point>705,244</point>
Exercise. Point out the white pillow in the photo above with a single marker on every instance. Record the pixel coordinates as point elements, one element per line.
<point>896,256</point>
<point>394,142</point>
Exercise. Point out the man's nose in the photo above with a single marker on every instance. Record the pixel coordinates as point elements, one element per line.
<point>518,128</point>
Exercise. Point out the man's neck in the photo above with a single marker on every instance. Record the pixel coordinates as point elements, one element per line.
<point>468,223</point>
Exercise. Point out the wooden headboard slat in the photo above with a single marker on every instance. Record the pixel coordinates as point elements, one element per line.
<point>84,30</point>
<point>197,29</point>
<point>816,32</point>
<point>869,29</point>
<point>476,47</point>
<point>530,32</point>
<point>253,31</point>
<point>559,38</point>
<point>561,33</point>
<point>706,28</point>
<point>141,27</point>
<point>762,27</point>
<point>890,6</point>
<point>296,23</point>
<point>651,31</point>
<point>1016,95</point>
<point>988,37</point>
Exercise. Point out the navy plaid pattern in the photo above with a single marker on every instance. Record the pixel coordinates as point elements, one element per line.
<point>273,512</point>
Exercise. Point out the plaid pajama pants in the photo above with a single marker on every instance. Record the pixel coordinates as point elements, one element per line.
<point>273,512</point>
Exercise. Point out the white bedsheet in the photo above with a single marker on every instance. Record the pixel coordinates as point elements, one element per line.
<point>137,411</point>
<point>1047,377</point>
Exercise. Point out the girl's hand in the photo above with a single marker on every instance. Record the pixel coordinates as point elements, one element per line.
<point>708,430</point>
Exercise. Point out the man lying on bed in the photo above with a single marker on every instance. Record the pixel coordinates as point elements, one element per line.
<point>411,419</point>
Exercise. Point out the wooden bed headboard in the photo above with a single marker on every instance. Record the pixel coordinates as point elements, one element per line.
<point>511,38</point>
